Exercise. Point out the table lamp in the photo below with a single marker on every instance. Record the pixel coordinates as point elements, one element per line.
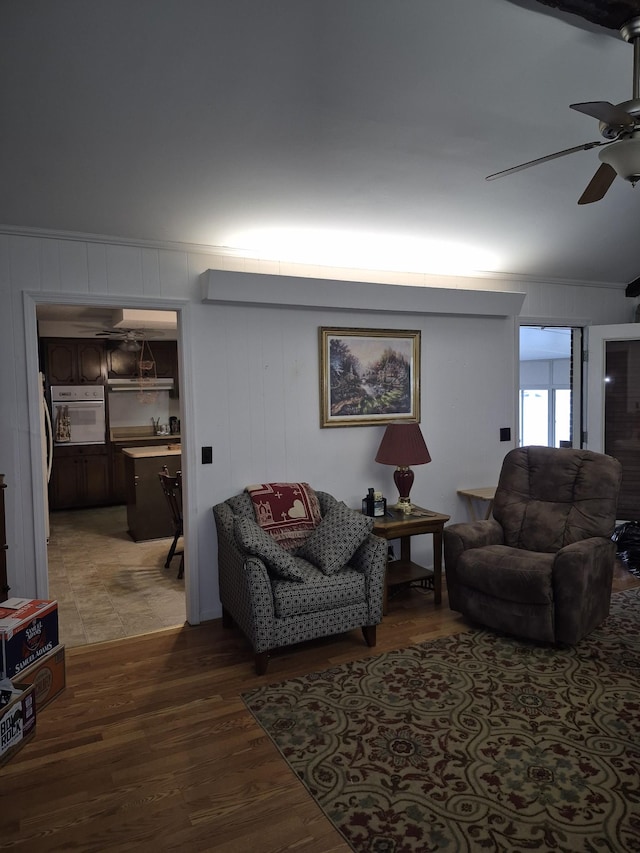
<point>402,445</point>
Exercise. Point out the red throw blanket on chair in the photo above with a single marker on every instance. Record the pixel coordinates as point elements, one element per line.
<point>289,512</point>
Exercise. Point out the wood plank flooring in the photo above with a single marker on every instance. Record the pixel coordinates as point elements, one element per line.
<point>150,747</point>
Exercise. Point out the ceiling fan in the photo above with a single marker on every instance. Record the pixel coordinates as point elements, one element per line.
<point>620,127</point>
<point>132,340</point>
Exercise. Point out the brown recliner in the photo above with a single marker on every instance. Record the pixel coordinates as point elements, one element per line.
<point>541,568</point>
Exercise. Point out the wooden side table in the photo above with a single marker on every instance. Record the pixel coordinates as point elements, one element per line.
<point>485,495</point>
<point>398,525</point>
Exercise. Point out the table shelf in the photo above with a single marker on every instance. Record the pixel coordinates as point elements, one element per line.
<point>403,573</point>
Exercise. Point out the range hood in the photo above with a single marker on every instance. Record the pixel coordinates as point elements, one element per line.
<point>135,383</point>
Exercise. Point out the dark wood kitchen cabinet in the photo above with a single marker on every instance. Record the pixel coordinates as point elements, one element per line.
<point>126,365</point>
<point>75,361</point>
<point>148,515</point>
<point>79,478</point>
<point>122,364</point>
<point>165,354</point>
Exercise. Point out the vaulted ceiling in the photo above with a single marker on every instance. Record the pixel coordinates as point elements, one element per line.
<point>289,126</point>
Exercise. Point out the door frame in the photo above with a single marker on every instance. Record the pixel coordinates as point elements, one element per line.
<point>596,347</point>
<point>577,358</point>
<point>30,302</point>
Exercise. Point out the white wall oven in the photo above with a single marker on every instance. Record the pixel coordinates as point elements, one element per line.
<point>78,414</point>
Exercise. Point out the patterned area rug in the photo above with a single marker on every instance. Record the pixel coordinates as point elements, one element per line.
<point>474,742</point>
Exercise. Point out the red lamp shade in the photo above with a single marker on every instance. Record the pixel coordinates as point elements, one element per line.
<point>403,445</point>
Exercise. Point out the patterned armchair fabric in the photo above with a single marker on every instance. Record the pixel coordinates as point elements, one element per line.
<point>278,598</point>
<point>542,567</point>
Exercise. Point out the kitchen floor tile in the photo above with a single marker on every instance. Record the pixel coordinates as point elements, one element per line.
<point>107,585</point>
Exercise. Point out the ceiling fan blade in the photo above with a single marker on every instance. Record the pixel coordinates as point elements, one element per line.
<point>598,185</point>
<point>585,147</point>
<point>606,112</point>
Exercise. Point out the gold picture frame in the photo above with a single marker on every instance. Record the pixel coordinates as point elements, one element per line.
<point>368,377</point>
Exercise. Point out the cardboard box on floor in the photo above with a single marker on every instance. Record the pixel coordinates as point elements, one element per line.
<point>17,721</point>
<point>48,675</point>
<point>28,632</point>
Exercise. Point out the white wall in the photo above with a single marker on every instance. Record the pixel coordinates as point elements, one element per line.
<point>257,402</point>
<point>250,385</point>
<point>127,408</point>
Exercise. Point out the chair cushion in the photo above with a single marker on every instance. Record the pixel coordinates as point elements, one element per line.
<point>289,512</point>
<point>336,539</point>
<point>318,592</point>
<point>508,574</point>
<point>253,539</point>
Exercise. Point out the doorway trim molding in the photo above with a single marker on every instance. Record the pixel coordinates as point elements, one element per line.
<point>30,302</point>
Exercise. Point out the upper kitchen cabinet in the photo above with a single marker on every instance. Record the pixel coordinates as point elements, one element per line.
<point>158,358</point>
<point>122,364</point>
<point>75,361</point>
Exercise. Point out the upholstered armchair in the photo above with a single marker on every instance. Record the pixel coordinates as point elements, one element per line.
<point>542,567</point>
<point>331,582</point>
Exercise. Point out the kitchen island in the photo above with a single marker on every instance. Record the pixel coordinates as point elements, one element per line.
<point>148,515</point>
<point>128,437</point>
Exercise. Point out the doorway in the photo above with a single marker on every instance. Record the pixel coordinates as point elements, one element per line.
<point>550,386</point>
<point>107,585</point>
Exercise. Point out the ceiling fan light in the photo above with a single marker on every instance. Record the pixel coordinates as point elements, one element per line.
<point>624,157</point>
<point>129,346</point>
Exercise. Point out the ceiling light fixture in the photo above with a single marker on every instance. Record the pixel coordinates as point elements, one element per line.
<point>129,346</point>
<point>624,157</point>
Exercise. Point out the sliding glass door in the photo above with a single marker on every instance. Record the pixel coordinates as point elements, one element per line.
<point>613,405</point>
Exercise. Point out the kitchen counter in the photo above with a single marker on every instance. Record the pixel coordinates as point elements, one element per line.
<point>129,437</point>
<point>152,450</point>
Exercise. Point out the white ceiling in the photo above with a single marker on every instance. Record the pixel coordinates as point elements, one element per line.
<point>195,121</point>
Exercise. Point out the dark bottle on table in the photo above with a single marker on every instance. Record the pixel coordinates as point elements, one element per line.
<point>374,504</point>
<point>367,503</point>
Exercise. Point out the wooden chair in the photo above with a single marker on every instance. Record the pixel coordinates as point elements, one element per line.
<point>172,488</point>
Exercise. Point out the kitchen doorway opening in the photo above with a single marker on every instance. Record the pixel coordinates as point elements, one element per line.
<point>108,582</point>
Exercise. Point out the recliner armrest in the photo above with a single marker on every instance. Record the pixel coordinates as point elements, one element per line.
<point>474,534</point>
<point>461,537</point>
<point>582,578</point>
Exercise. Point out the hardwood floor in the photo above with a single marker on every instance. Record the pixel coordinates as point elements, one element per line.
<point>150,747</point>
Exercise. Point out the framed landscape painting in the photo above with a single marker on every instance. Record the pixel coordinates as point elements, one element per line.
<point>369,376</point>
